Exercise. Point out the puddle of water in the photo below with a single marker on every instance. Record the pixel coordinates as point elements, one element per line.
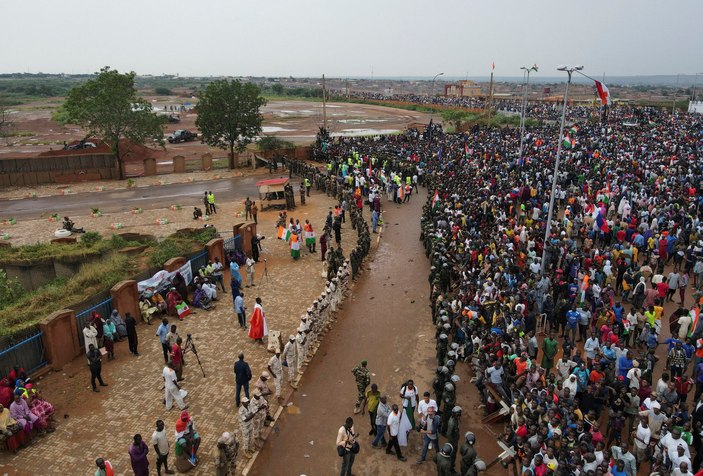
<point>363,132</point>
<point>360,121</point>
<point>276,129</point>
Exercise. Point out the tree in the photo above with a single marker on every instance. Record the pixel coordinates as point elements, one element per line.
<point>455,117</point>
<point>108,108</point>
<point>277,89</point>
<point>274,143</point>
<point>228,115</point>
<point>6,123</point>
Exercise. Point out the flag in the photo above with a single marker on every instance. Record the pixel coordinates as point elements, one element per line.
<point>535,67</point>
<point>603,93</point>
<point>493,66</point>
<point>602,224</point>
<point>567,143</point>
<point>466,150</point>
<point>574,129</point>
<point>439,154</point>
<point>435,200</point>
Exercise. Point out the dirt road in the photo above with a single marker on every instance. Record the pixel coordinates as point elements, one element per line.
<point>121,201</point>
<point>386,322</point>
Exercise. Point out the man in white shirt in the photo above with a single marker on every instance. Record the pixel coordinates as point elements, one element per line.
<point>424,404</point>
<point>642,438</point>
<point>590,347</point>
<point>171,389</point>
<point>393,428</point>
<point>160,442</point>
<point>671,441</point>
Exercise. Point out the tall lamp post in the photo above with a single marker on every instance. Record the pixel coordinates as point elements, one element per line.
<point>432,91</point>
<point>548,229</point>
<point>525,86</point>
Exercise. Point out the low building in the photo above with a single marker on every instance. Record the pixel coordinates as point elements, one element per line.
<point>462,89</point>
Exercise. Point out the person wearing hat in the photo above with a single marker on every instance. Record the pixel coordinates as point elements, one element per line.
<point>264,391</point>
<point>453,432</point>
<point>290,359</point>
<point>362,375</point>
<point>275,368</point>
<point>246,423</point>
<point>443,461</point>
<point>187,438</point>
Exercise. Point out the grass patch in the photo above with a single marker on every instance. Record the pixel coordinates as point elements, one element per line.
<point>178,245</point>
<point>90,245</point>
<point>93,278</point>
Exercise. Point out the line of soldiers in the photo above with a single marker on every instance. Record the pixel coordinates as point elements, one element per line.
<point>318,319</point>
<point>252,417</point>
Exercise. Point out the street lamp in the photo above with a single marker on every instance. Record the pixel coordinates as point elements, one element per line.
<point>433,80</point>
<point>525,86</point>
<point>548,229</point>
<point>695,81</point>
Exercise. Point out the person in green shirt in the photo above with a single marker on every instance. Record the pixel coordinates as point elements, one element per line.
<point>373,397</point>
<point>550,348</point>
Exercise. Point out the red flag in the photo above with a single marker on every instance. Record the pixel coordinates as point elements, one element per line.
<point>603,93</point>
<point>493,66</point>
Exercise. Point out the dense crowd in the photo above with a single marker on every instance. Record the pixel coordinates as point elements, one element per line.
<point>625,243</point>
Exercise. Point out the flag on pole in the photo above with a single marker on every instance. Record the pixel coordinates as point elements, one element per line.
<point>466,150</point>
<point>574,129</point>
<point>493,66</point>
<point>535,67</point>
<point>567,143</point>
<point>603,93</point>
<point>435,200</point>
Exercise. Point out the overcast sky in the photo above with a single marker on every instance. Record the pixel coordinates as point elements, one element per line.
<point>349,38</point>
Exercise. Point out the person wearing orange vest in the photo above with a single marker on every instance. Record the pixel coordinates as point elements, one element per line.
<point>104,468</point>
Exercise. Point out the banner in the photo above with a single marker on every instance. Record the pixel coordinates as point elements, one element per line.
<point>162,280</point>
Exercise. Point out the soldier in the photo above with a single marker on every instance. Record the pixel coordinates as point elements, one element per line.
<point>449,399</point>
<point>468,453</point>
<point>275,368</point>
<point>259,405</point>
<point>443,460</point>
<point>300,348</point>
<point>246,423</point>
<point>438,384</point>
<point>263,387</point>
<point>363,379</point>
<point>290,356</point>
<point>453,432</point>
<point>302,194</point>
<point>442,348</point>
<point>306,331</point>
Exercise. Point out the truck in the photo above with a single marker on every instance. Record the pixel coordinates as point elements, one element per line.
<point>181,135</point>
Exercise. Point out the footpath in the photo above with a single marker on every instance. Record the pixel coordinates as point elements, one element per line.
<point>386,321</point>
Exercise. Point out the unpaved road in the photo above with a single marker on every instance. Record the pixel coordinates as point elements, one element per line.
<point>124,200</point>
<point>386,322</point>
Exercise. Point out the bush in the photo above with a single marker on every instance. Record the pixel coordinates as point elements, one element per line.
<point>90,238</point>
<point>91,279</point>
<point>161,91</point>
<point>10,290</point>
<point>273,143</point>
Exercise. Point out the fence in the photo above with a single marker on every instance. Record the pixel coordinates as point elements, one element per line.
<point>233,244</point>
<point>197,261</point>
<point>104,309</point>
<point>28,354</point>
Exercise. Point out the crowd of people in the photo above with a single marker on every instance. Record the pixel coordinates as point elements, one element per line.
<point>625,241</point>
<point>24,413</point>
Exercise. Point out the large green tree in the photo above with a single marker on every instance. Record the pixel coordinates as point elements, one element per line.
<point>108,108</point>
<point>229,115</point>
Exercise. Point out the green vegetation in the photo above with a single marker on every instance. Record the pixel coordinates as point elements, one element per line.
<point>10,289</point>
<point>93,278</point>
<point>20,311</point>
<point>178,245</point>
<point>109,108</point>
<point>14,91</point>
<point>162,91</point>
<point>90,245</point>
<point>455,117</point>
<point>273,143</point>
<point>229,115</point>
<point>60,115</point>
<point>278,91</point>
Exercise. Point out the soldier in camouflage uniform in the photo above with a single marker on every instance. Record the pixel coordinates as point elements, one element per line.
<point>363,379</point>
